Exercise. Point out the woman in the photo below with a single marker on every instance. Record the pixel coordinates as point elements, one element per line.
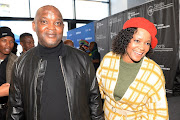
<point>132,85</point>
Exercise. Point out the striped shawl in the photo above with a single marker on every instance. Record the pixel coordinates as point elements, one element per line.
<point>145,99</point>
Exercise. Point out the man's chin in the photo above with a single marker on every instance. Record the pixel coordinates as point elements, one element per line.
<point>50,45</point>
<point>7,53</point>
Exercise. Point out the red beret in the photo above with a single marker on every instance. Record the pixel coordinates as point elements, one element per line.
<point>141,22</point>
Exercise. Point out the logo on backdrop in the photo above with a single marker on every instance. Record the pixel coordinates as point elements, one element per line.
<point>165,68</point>
<point>158,7</point>
<point>98,37</point>
<point>114,20</point>
<point>87,30</point>
<point>88,38</point>
<point>132,14</point>
<point>162,48</point>
<point>113,34</point>
<point>98,25</point>
<point>100,49</point>
<point>161,26</point>
<point>79,32</point>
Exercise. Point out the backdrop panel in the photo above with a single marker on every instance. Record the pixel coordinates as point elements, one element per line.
<point>102,36</point>
<point>165,16</point>
<point>85,32</point>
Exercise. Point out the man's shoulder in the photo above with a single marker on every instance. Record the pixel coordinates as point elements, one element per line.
<point>30,54</point>
<point>12,56</point>
<point>76,51</point>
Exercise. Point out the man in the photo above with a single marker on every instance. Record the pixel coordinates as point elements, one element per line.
<point>6,62</point>
<point>69,42</point>
<point>53,81</point>
<point>26,41</point>
<point>94,54</point>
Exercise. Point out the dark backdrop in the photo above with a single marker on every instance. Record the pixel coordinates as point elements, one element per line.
<point>165,16</point>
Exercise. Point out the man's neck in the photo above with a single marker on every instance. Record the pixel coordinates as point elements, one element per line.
<point>3,56</point>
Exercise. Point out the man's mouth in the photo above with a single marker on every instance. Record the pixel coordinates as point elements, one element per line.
<point>51,35</point>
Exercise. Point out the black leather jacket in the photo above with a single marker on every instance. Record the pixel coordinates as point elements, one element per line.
<point>82,90</point>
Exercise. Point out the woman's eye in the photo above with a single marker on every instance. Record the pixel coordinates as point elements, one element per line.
<point>148,44</point>
<point>136,41</point>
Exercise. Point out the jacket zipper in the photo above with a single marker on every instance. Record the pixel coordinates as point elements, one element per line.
<point>60,58</point>
<point>35,89</point>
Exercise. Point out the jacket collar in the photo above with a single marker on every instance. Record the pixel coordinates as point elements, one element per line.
<point>62,50</point>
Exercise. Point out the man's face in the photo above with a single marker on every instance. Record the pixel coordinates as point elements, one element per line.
<point>91,46</point>
<point>6,45</point>
<point>27,43</point>
<point>48,25</point>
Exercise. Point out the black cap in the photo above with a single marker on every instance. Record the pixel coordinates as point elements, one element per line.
<point>6,31</point>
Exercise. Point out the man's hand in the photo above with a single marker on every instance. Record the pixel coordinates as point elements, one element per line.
<point>4,89</point>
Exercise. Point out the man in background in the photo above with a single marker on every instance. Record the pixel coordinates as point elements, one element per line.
<point>6,63</point>
<point>26,41</point>
<point>94,54</point>
<point>69,42</point>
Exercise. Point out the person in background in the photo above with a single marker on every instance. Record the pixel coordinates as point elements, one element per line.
<point>69,42</point>
<point>53,81</point>
<point>6,63</point>
<point>94,54</point>
<point>26,41</point>
<point>84,45</point>
<point>14,50</point>
<point>132,84</point>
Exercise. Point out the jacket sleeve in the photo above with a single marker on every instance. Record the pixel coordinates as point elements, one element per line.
<point>95,98</point>
<point>15,105</point>
<point>99,79</point>
<point>157,108</point>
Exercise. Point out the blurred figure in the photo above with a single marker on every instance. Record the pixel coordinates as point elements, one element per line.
<point>6,63</point>
<point>81,47</point>
<point>26,41</point>
<point>84,45</point>
<point>69,42</point>
<point>14,50</point>
<point>94,54</point>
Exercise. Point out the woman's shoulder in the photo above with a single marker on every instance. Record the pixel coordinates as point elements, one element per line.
<point>152,64</point>
<point>111,54</point>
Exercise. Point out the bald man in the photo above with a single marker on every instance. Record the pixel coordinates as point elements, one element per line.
<point>69,42</point>
<point>53,81</point>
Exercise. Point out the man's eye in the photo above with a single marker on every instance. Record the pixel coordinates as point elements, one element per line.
<point>58,23</point>
<point>12,41</point>
<point>3,40</point>
<point>43,21</point>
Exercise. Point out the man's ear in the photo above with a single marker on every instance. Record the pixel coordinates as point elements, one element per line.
<point>21,43</point>
<point>33,26</point>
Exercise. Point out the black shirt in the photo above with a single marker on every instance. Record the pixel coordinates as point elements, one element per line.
<point>54,104</point>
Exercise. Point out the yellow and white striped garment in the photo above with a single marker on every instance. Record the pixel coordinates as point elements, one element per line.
<point>145,99</point>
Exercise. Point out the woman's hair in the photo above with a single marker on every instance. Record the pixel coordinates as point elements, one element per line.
<point>122,39</point>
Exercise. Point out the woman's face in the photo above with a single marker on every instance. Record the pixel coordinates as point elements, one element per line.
<point>138,46</point>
